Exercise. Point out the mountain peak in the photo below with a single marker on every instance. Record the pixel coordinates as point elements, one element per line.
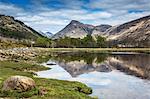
<point>74,29</point>
<point>75,23</point>
<point>104,25</point>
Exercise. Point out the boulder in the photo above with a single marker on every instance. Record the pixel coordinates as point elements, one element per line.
<point>20,83</point>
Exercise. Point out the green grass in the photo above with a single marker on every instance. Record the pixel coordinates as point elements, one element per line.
<point>9,68</point>
<point>57,89</point>
<point>17,94</point>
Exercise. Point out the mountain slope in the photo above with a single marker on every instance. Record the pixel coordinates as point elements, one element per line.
<point>100,29</point>
<point>11,28</point>
<point>135,33</point>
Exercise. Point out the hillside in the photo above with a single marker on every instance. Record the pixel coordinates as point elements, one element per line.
<point>100,30</point>
<point>135,33</point>
<point>12,28</point>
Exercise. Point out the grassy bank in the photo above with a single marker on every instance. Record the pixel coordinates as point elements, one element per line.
<point>56,89</point>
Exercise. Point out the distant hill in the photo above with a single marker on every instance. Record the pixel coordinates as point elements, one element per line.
<point>46,34</point>
<point>12,28</point>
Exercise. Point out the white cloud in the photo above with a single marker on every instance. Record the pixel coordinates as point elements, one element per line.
<point>120,4</point>
<point>47,19</point>
<point>76,14</point>
<point>60,18</point>
<point>9,9</point>
<point>120,19</point>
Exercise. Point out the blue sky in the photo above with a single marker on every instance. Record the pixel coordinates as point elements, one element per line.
<point>53,15</point>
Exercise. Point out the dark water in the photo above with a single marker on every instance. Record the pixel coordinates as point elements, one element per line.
<point>111,76</point>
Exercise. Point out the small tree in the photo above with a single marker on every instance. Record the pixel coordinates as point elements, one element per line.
<point>88,41</point>
<point>101,41</point>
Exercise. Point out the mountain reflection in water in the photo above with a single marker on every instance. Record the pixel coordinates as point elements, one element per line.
<point>79,63</point>
<point>111,76</point>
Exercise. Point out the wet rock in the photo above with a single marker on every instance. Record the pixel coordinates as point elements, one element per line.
<point>50,64</point>
<point>20,83</point>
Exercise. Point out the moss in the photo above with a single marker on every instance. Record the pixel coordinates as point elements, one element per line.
<point>57,89</point>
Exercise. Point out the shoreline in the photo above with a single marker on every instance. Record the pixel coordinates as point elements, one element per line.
<point>26,53</point>
<point>98,50</point>
<point>25,62</point>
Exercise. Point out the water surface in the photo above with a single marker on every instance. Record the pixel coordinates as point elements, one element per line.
<point>111,76</point>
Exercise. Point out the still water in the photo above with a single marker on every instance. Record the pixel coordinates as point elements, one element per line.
<point>111,76</point>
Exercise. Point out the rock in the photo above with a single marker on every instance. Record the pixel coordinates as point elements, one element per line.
<point>20,83</point>
<point>50,64</point>
<point>42,91</point>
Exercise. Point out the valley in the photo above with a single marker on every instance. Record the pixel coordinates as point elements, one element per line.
<point>69,63</point>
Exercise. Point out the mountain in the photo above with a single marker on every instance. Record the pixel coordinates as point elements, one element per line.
<point>49,34</point>
<point>12,28</point>
<point>46,34</point>
<point>74,29</point>
<point>135,33</point>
